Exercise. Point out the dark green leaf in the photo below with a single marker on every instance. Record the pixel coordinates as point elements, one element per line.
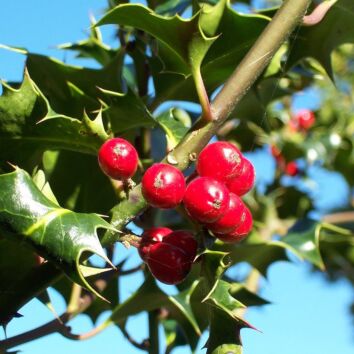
<point>60,234</point>
<point>149,297</point>
<point>220,61</point>
<point>320,40</point>
<point>62,83</point>
<point>28,125</point>
<point>182,44</point>
<point>174,129</point>
<point>126,111</point>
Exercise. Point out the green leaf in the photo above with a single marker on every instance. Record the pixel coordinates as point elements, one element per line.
<point>28,125</point>
<point>318,42</point>
<point>220,297</point>
<point>62,83</point>
<point>59,234</point>
<point>259,255</point>
<point>182,43</point>
<point>246,297</point>
<point>92,47</point>
<point>150,297</point>
<point>237,33</point>
<point>174,129</point>
<point>74,190</point>
<point>126,111</point>
<point>224,334</point>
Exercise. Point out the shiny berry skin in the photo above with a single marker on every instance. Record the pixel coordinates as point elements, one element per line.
<point>231,218</point>
<point>118,159</point>
<point>292,168</point>
<point>243,183</point>
<point>184,240</point>
<point>150,238</point>
<point>168,254</point>
<point>241,231</point>
<point>206,199</point>
<point>169,264</point>
<point>220,160</point>
<point>305,119</point>
<point>163,186</point>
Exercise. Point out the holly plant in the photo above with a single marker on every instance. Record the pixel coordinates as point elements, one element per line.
<point>153,150</point>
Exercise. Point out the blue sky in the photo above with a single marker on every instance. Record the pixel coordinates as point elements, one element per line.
<point>308,315</point>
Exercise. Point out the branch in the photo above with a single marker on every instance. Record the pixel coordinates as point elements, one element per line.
<point>278,30</point>
<point>339,218</point>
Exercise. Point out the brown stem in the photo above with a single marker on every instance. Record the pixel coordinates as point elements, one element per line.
<point>339,218</point>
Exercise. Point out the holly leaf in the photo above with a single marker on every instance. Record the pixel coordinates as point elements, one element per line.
<point>182,43</point>
<point>62,83</point>
<point>60,234</point>
<point>258,255</point>
<point>74,190</point>
<point>173,128</point>
<point>126,111</point>
<point>318,41</point>
<point>224,334</point>
<point>150,297</point>
<point>28,125</point>
<point>92,47</point>
<point>220,297</point>
<point>219,62</point>
<point>306,242</point>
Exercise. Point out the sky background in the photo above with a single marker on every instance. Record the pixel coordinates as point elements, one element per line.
<point>308,315</point>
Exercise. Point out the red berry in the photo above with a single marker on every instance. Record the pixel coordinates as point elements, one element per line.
<point>241,231</point>
<point>206,199</point>
<point>118,159</point>
<point>305,119</point>
<point>292,169</point>
<point>169,264</point>
<point>244,182</point>
<point>150,238</point>
<point>231,218</point>
<point>184,240</point>
<point>220,160</point>
<point>168,254</point>
<point>163,186</point>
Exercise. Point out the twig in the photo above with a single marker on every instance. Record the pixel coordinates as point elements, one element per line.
<point>318,13</point>
<point>144,345</point>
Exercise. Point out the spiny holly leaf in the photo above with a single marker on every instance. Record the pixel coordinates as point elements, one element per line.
<point>28,125</point>
<point>320,40</point>
<point>306,243</point>
<point>62,83</point>
<point>259,255</point>
<point>182,43</point>
<point>220,297</point>
<point>15,269</point>
<point>92,47</point>
<point>74,190</point>
<point>126,111</point>
<point>219,62</point>
<point>150,297</point>
<point>246,297</point>
<point>60,234</point>
<point>174,129</point>
<point>224,334</point>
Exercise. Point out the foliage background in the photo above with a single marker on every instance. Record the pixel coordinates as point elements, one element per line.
<point>291,322</point>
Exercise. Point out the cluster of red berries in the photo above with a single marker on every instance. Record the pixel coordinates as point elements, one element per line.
<point>290,168</point>
<point>301,121</point>
<point>211,198</point>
